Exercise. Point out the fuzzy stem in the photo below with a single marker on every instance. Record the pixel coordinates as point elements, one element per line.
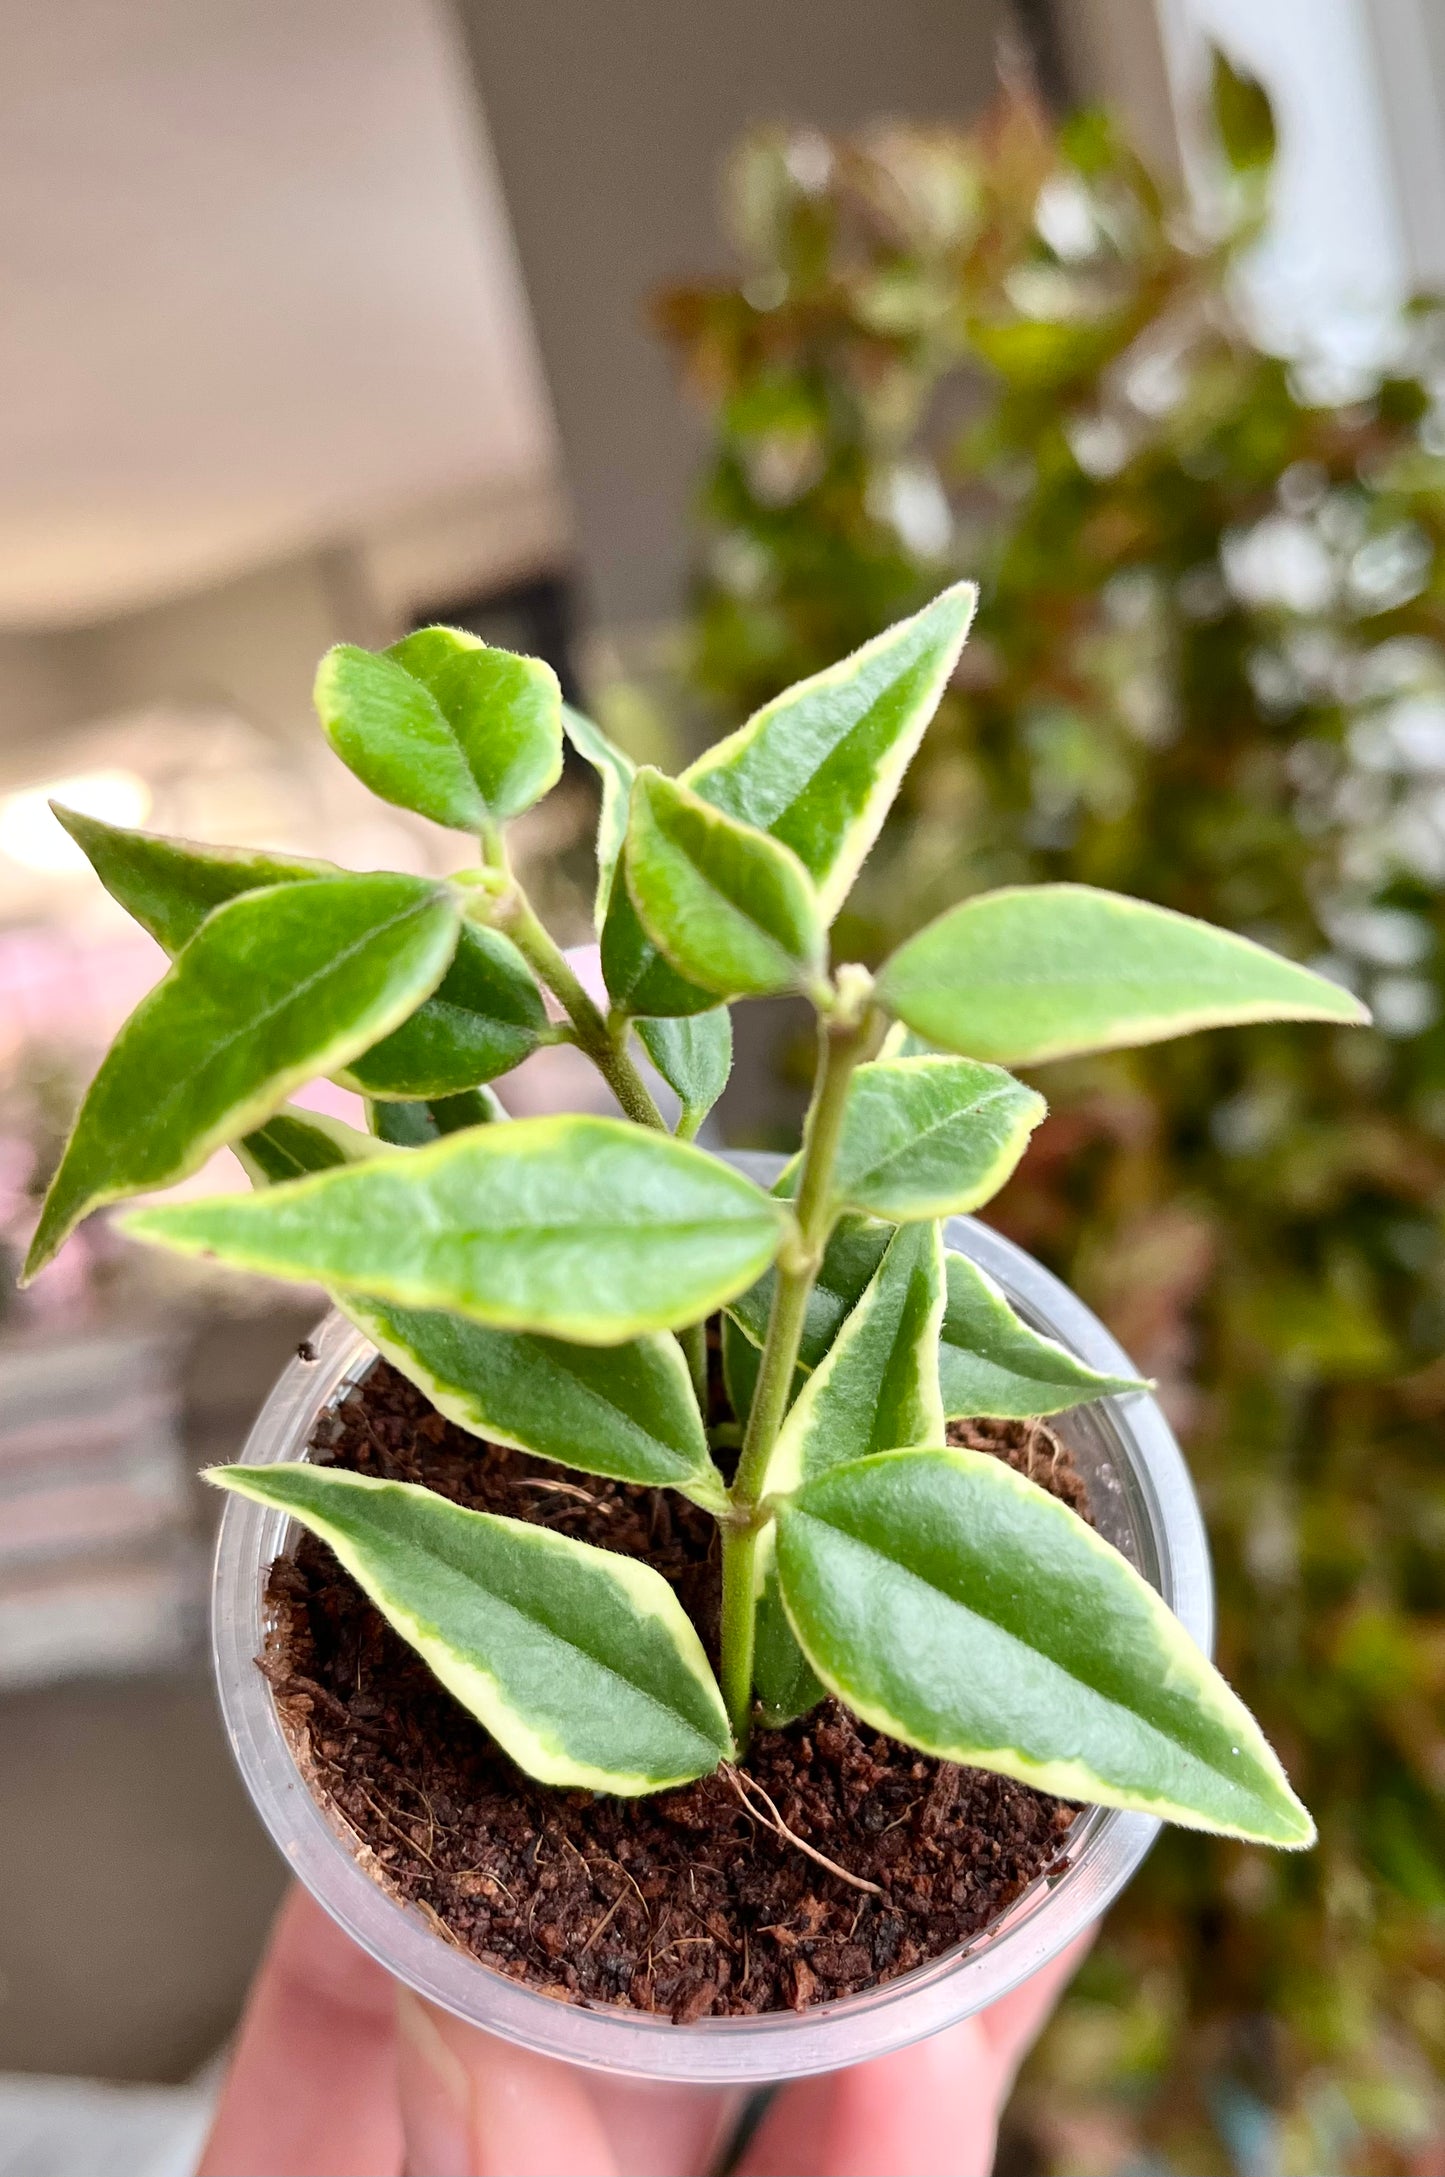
<point>739,1628</point>
<point>845,1039</point>
<point>516,915</point>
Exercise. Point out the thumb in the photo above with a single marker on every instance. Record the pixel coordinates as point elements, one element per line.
<point>475,2106</point>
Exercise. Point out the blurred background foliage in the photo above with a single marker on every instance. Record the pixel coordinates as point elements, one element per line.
<point>1209,670</point>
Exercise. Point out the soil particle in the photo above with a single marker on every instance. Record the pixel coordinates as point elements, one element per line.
<point>686,1904</point>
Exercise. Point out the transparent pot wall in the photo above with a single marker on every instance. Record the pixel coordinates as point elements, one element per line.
<point>1144,1504</point>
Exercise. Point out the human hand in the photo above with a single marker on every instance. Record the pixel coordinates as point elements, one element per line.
<point>338,2072</point>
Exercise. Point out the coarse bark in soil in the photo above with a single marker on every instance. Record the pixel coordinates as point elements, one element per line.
<point>685,1904</point>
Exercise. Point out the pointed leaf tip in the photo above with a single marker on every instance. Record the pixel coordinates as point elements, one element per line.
<point>958,1607</point>
<point>581,1663</point>
<point>1032,973</point>
<point>580,1228</point>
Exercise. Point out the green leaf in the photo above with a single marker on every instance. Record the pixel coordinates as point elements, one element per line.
<point>294,1142</point>
<point>855,1248</point>
<point>818,767</point>
<point>638,979</point>
<point>741,1360</point>
<point>505,710</point>
<point>1051,970</point>
<point>1243,117</point>
<point>616,772</point>
<point>581,1663</point>
<point>694,1058</point>
<point>877,1387</point>
<point>581,1228</point>
<point>924,1137</point>
<point>441,724</point>
<point>627,1411</point>
<point>412,1126</point>
<point>958,1607</point>
<point>991,1363</point>
<point>171,885</point>
<point>485,1016</point>
<point>728,907</point>
<point>274,987</point>
<point>784,1681</point>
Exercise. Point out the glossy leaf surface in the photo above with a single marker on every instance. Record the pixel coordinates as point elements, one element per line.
<point>615,773</point>
<point>819,766</point>
<point>170,885</point>
<point>730,909</point>
<point>581,1663</point>
<point>991,1363</point>
<point>581,1228</point>
<point>694,1057</point>
<point>960,1608</point>
<point>484,1017</point>
<point>1045,971</point>
<point>275,987</point>
<point>925,1137</point>
<point>876,1388</point>
<point>626,1410</point>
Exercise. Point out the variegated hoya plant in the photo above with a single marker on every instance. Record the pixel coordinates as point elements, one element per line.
<point>548,1282</point>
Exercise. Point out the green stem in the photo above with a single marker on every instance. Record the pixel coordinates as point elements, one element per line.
<point>739,1627</point>
<point>693,1341</point>
<point>844,1041</point>
<point>528,933</point>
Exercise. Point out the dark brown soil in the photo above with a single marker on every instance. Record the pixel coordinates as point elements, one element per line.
<point>685,1904</point>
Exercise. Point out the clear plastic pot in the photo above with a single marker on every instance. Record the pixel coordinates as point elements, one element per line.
<point>1144,1503</point>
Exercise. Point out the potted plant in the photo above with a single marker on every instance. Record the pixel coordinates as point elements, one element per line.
<point>803,1412</point>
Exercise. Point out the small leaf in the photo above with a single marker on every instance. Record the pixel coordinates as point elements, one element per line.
<point>581,1663</point>
<point>581,1228</point>
<point>855,1249</point>
<point>505,710</point>
<point>390,730</point>
<point>958,1607</point>
<point>818,767</point>
<point>627,1411</point>
<point>274,988</point>
<point>728,907</point>
<point>170,885</point>
<point>924,1137</point>
<point>441,724</point>
<point>616,772</point>
<point>694,1058</point>
<point>1051,970</point>
<point>991,1363</point>
<point>1242,115</point>
<point>784,1681</point>
<point>877,1387</point>
<point>484,1017</point>
<point>294,1142</point>
<point>413,1125</point>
